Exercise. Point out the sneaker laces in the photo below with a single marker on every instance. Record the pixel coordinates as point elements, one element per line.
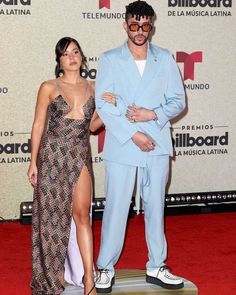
<point>167,272</point>
<point>164,267</point>
<point>103,272</point>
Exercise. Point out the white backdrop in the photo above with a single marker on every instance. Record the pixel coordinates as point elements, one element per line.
<point>199,33</point>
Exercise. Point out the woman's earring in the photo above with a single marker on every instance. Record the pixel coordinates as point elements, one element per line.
<point>61,71</point>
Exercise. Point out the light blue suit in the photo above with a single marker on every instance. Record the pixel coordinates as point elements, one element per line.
<point>159,89</point>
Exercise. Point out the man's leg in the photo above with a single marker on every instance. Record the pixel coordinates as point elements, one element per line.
<point>119,186</point>
<point>154,202</point>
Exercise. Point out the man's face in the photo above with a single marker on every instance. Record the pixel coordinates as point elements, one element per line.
<point>138,30</point>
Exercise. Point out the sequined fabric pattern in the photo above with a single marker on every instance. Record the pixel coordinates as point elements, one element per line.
<point>64,150</point>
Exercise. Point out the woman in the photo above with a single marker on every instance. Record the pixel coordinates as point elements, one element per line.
<point>60,170</point>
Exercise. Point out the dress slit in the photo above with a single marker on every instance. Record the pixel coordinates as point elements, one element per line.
<point>64,151</point>
<point>76,183</point>
<point>73,274</point>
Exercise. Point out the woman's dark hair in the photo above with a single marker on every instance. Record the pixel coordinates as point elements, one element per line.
<point>139,9</point>
<point>60,49</point>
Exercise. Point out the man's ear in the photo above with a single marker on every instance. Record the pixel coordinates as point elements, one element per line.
<point>125,26</point>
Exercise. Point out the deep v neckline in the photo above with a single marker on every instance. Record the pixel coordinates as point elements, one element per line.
<point>69,106</point>
<point>66,101</point>
<point>64,97</point>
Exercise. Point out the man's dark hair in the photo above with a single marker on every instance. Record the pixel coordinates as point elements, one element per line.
<point>139,9</point>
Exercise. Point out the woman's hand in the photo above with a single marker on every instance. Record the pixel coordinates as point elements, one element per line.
<point>33,174</point>
<point>140,114</point>
<point>95,123</point>
<point>109,97</point>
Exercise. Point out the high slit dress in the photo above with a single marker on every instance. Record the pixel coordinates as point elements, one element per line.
<point>63,152</point>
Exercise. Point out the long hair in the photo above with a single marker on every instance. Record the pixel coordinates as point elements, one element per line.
<point>60,49</point>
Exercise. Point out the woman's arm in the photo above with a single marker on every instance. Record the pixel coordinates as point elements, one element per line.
<point>43,101</point>
<point>96,123</point>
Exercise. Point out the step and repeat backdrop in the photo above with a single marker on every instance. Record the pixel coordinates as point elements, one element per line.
<point>199,33</point>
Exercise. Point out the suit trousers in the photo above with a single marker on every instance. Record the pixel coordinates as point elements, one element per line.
<point>119,188</point>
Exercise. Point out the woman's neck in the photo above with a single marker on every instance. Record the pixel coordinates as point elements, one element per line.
<point>72,78</point>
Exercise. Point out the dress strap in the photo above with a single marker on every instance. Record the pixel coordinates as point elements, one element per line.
<point>91,89</point>
<point>58,87</point>
<point>86,88</point>
<point>60,90</point>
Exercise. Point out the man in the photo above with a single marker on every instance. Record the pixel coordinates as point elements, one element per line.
<point>149,92</point>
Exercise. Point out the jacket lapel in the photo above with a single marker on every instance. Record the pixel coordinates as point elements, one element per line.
<point>151,69</point>
<point>130,71</point>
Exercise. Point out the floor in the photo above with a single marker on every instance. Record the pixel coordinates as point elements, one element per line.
<point>133,282</point>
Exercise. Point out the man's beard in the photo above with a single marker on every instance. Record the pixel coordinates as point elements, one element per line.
<point>137,43</point>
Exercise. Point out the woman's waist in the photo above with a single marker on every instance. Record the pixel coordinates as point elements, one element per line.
<point>65,138</point>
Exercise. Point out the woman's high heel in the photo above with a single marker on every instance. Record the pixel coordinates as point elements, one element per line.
<point>90,289</point>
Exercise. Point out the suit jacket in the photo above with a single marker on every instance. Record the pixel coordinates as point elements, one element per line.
<point>159,89</point>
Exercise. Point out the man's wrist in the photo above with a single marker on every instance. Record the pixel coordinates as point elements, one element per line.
<point>154,116</point>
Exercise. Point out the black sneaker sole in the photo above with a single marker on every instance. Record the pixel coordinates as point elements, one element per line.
<point>158,282</point>
<point>106,290</point>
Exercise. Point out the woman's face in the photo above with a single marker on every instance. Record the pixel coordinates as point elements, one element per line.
<point>71,59</point>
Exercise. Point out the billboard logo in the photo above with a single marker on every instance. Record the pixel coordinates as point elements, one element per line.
<point>186,140</point>
<point>189,61</point>
<point>15,2</point>
<point>202,3</point>
<point>91,74</point>
<point>16,148</point>
<point>104,3</point>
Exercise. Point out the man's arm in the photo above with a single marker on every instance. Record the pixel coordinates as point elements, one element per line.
<point>174,94</point>
<point>114,120</point>
<point>112,115</point>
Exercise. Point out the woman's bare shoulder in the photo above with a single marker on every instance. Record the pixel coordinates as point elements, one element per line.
<point>48,87</point>
<point>49,84</point>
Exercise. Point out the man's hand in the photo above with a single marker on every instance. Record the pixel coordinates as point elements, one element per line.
<point>140,114</point>
<point>143,141</point>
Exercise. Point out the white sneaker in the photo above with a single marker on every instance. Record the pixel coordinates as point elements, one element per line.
<point>105,280</point>
<point>164,278</point>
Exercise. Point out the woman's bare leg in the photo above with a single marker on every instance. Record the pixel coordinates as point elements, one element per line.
<point>80,212</point>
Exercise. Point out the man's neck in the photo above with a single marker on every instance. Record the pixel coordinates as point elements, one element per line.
<point>138,52</point>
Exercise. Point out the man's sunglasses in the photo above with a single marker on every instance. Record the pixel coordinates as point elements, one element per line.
<point>145,27</point>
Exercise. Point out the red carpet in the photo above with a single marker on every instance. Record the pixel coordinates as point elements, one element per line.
<point>202,248</point>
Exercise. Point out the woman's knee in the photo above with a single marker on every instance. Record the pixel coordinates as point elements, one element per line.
<point>81,216</point>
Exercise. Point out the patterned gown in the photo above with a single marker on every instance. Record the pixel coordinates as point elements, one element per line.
<point>64,151</point>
